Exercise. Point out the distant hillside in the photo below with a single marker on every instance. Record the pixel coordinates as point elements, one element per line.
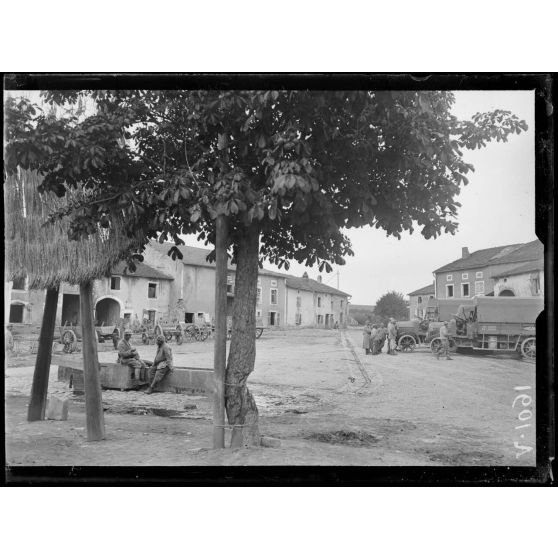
<point>360,312</point>
<point>361,308</point>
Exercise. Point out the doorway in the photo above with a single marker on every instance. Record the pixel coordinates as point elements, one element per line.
<point>70,309</point>
<point>107,312</point>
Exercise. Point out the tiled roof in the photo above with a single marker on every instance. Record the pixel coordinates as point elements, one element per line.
<point>198,257</point>
<point>526,252</point>
<point>142,270</point>
<point>429,289</point>
<point>306,284</point>
<point>523,268</point>
<point>511,253</point>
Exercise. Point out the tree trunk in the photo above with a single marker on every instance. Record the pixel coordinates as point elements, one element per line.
<point>39,387</point>
<point>220,345</point>
<point>94,418</point>
<point>240,404</point>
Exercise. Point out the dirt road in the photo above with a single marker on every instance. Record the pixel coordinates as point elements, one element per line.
<point>312,392</point>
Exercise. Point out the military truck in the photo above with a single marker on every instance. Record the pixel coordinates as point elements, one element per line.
<point>503,324</point>
<point>412,333</point>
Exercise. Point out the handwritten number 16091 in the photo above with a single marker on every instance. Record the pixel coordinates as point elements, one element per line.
<point>524,415</point>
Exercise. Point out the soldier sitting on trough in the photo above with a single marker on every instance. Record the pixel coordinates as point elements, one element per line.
<point>127,354</point>
<point>162,364</point>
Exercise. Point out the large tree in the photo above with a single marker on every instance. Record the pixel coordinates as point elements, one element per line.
<point>391,305</point>
<point>291,170</point>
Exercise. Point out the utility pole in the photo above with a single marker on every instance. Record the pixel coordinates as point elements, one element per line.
<point>94,419</point>
<point>220,346</point>
<point>39,387</point>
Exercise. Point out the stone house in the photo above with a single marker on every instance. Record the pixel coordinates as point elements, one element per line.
<point>523,280</point>
<point>143,293</point>
<point>311,303</point>
<point>192,295</point>
<point>418,300</point>
<point>476,273</point>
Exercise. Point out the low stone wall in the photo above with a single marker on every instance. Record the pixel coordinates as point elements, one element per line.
<point>194,381</point>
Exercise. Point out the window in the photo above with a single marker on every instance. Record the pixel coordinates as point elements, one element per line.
<point>420,299</point>
<point>16,313</point>
<point>430,297</point>
<point>273,296</point>
<point>341,304</point>
<point>478,275</point>
<point>479,287</point>
<point>259,296</point>
<point>449,278</point>
<point>230,284</point>
<point>319,302</point>
<point>19,284</point>
<point>274,282</point>
<point>464,289</point>
<point>464,276</point>
<point>152,290</point>
<point>449,291</point>
<point>320,319</point>
<point>258,313</point>
<point>115,283</point>
<point>535,283</point>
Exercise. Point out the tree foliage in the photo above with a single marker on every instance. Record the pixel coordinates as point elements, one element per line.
<point>302,165</point>
<point>391,305</point>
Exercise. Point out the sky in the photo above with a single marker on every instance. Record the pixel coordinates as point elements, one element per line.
<point>497,208</point>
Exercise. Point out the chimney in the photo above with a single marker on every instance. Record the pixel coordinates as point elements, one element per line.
<point>305,275</point>
<point>465,252</point>
<point>319,278</point>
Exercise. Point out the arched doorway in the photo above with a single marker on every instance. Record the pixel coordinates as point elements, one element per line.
<point>107,312</point>
<point>506,292</point>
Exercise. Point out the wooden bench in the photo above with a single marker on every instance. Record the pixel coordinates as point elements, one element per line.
<point>191,380</point>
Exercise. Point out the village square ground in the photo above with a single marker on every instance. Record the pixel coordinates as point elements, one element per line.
<point>415,410</point>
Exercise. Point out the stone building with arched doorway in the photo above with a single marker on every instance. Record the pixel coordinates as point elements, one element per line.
<point>523,280</point>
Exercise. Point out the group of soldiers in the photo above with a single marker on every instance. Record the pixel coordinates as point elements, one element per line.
<point>158,369</point>
<point>375,336</point>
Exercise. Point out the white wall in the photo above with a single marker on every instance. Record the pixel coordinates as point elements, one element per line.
<point>519,284</point>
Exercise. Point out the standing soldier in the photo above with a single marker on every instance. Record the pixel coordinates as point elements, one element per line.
<point>162,365</point>
<point>392,337</point>
<point>366,336</point>
<point>444,345</point>
<point>380,338</point>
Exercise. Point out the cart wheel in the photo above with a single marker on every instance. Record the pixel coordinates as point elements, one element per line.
<point>529,348</point>
<point>69,340</point>
<point>259,331</point>
<point>145,339</point>
<point>168,337</point>
<point>435,344</point>
<point>407,343</point>
<point>452,346</point>
<point>179,339</point>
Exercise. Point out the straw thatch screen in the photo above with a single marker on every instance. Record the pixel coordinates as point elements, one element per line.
<point>42,251</point>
